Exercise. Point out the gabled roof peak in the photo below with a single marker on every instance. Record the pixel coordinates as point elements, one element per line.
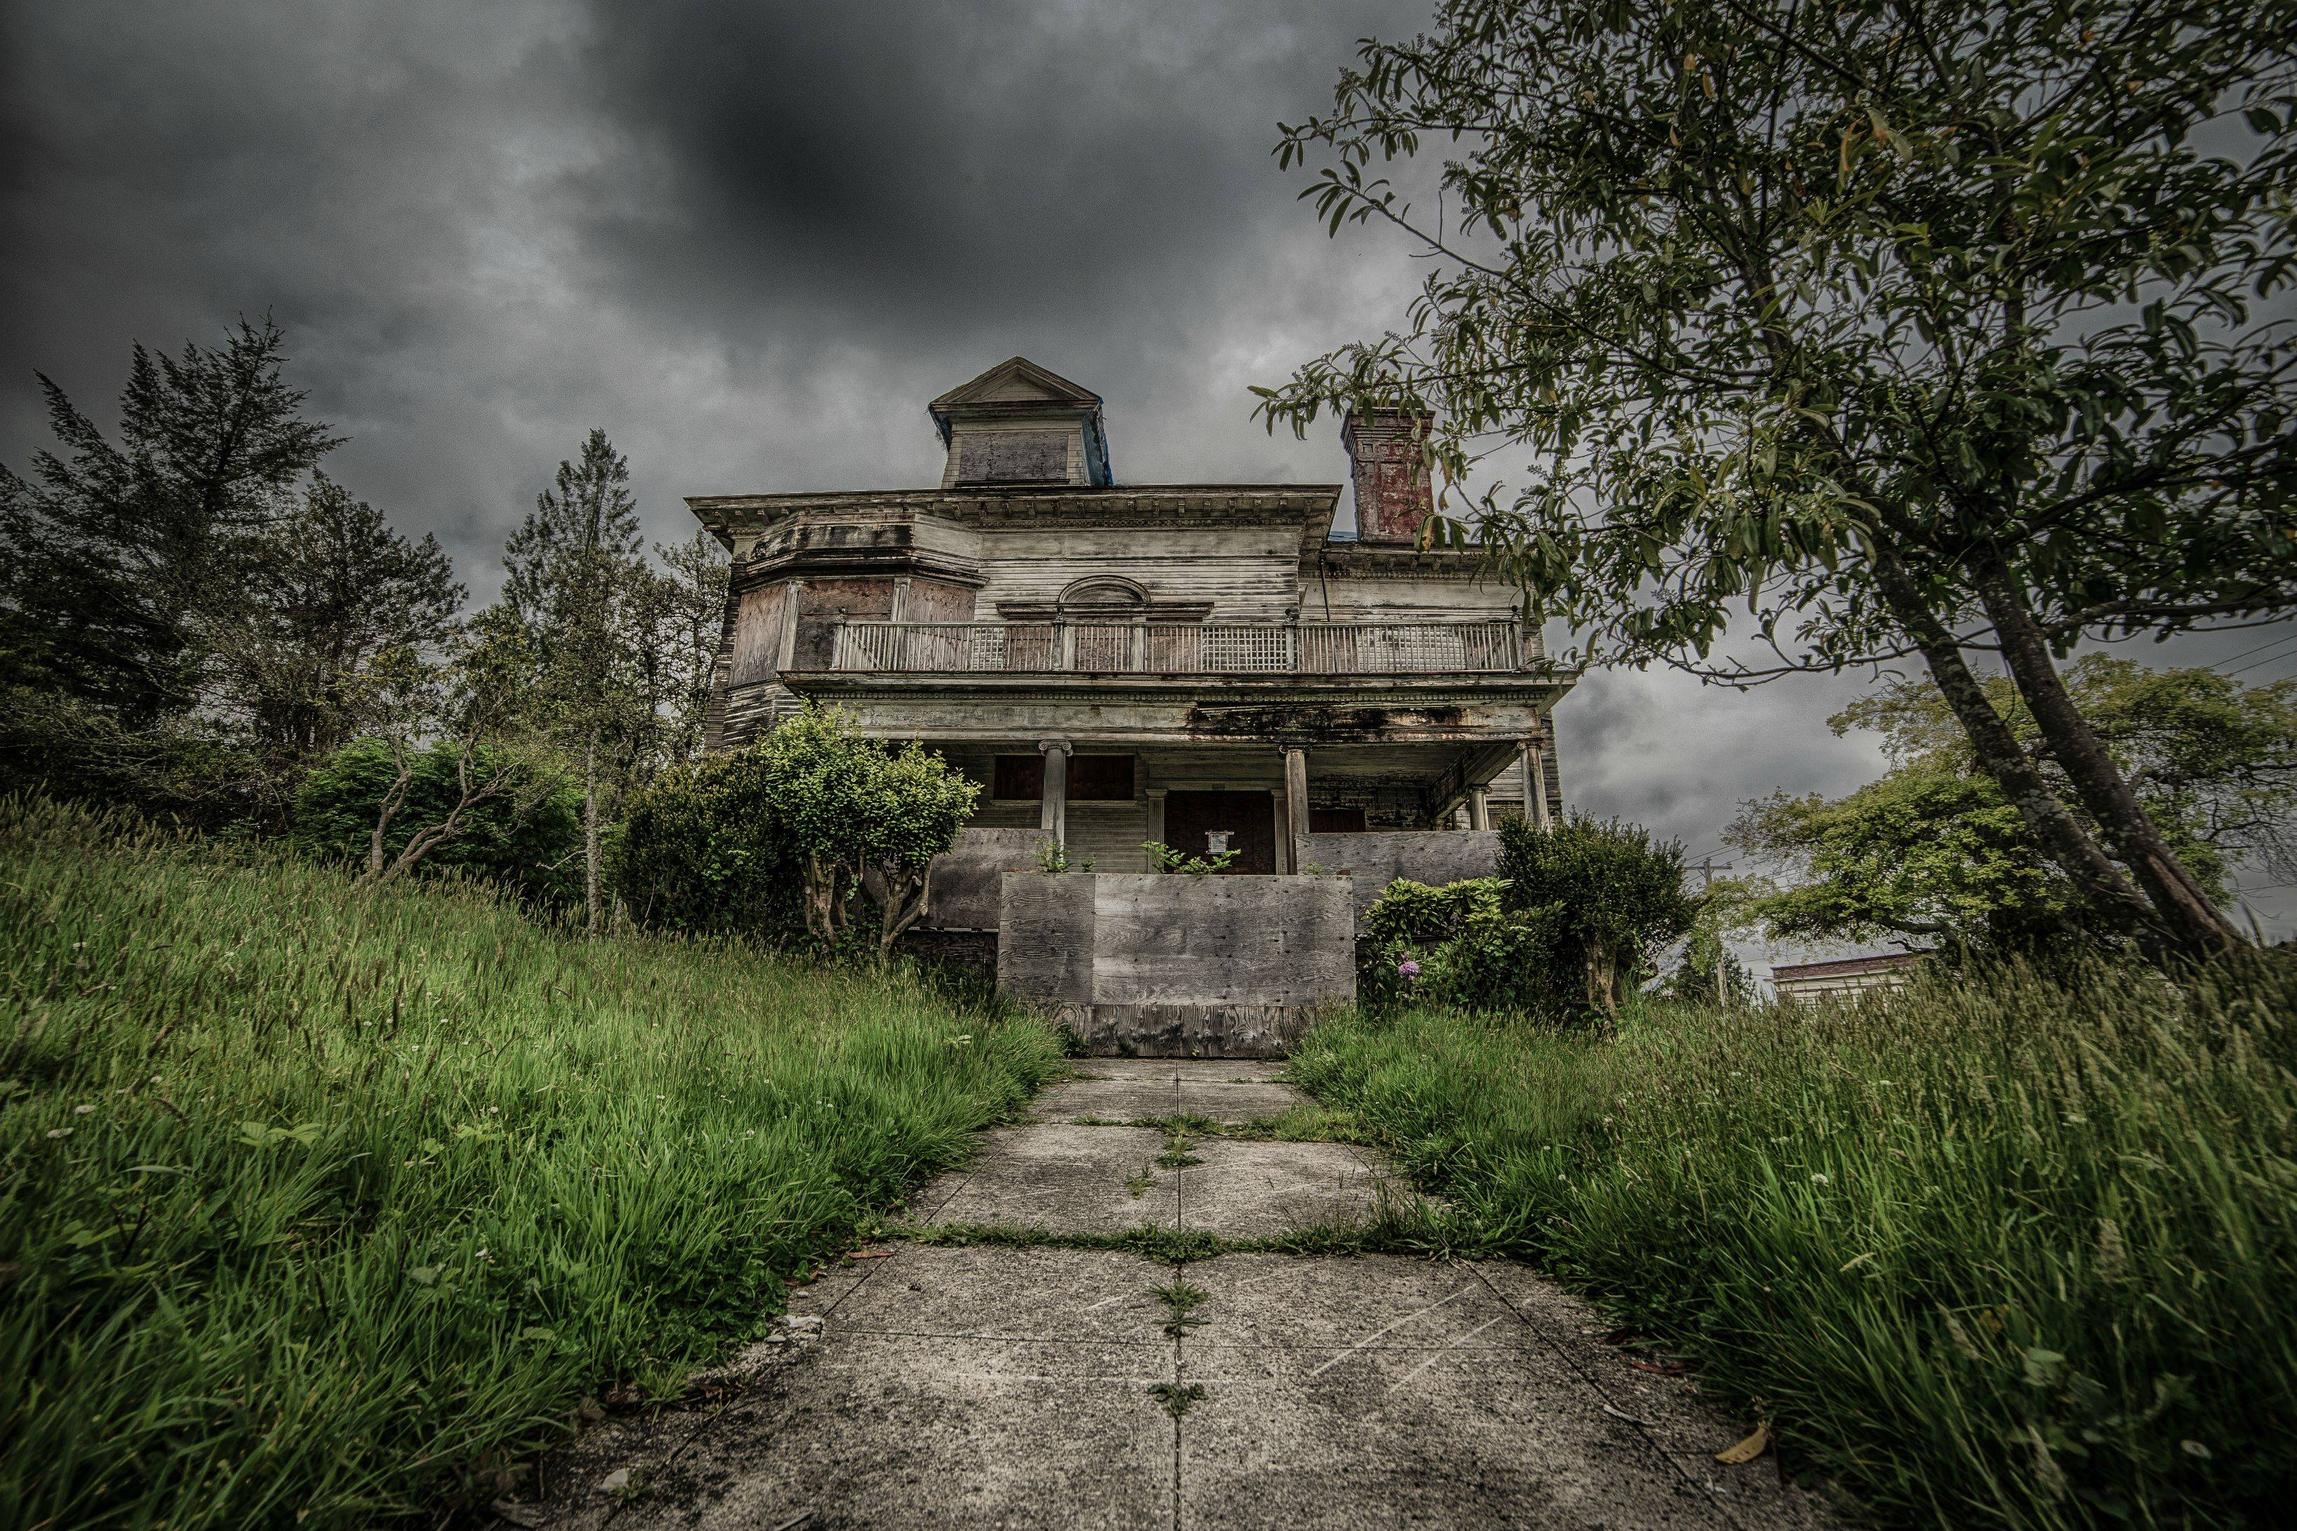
<point>1017,380</point>
<point>1020,424</point>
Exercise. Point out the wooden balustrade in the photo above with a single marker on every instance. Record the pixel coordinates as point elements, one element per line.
<point>1181,648</point>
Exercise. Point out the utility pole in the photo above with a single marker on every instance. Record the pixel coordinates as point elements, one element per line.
<point>1707,868</point>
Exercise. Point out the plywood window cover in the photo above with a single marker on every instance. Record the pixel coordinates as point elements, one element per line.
<point>1013,457</point>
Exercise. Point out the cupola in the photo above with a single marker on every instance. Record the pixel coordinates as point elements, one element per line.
<point>1018,425</point>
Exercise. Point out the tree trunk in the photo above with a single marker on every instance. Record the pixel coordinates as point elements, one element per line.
<point>2094,875</point>
<point>590,900</point>
<point>2195,923</point>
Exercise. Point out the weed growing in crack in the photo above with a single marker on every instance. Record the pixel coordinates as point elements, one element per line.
<point>1181,1299</point>
<point>1139,1182</point>
<point>1176,1398</point>
<point>1176,1155</point>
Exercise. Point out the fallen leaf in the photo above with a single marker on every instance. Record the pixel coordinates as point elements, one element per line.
<point>1657,1368</point>
<point>1747,1450</point>
<point>871,1254</point>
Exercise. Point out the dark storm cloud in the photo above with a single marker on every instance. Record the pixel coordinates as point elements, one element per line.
<point>750,241</point>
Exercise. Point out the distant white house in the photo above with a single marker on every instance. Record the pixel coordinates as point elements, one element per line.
<point>1878,973</point>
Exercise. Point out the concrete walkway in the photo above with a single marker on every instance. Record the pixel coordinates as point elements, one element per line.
<point>1004,1383</point>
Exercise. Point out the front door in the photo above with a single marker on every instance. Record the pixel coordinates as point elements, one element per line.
<point>1249,818</point>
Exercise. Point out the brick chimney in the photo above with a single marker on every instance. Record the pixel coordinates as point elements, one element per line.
<point>1393,491</point>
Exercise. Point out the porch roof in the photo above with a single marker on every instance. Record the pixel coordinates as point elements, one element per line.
<point>1120,709</point>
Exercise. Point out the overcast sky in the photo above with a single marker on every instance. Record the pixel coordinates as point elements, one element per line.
<point>751,241</point>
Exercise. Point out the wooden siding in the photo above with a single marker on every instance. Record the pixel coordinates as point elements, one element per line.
<point>1249,574</point>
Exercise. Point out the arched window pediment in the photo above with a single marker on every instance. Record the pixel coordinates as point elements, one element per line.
<point>1104,594</point>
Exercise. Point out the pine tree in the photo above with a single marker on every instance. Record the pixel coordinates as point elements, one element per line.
<point>331,595</point>
<point>110,556</point>
<point>577,585</point>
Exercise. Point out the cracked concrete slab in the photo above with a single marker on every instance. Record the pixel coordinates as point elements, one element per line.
<point>1243,1189</point>
<point>1229,1102</point>
<point>1397,1302</point>
<point>1438,1435</point>
<point>888,1432</point>
<point>1063,1179</point>
<point>1134,1069</point>
<point>1110,1100</point>
<point>995,1292</point>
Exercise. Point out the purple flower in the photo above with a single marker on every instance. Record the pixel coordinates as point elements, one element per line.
<point>1408,968</point>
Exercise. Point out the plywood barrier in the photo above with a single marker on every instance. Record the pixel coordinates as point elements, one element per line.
<point>965,882</point>
<point>1433,856</point>
<point>1178,966</point>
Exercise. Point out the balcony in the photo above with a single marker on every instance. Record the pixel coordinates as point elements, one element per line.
<point>1181,648</point>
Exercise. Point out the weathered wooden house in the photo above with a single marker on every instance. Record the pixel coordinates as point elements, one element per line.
<point>1123,663</point>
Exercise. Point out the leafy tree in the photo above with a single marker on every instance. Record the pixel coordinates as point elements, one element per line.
<point>528,841</point>
<point>1612,896</point>
<point>578,585</point>
<point>335,599</point>
<point>463,716</point>
<point>1917,327</point>
<point>853,812</point>
<point>1924,855</point>
<point>1932,852</point>
<point>110,555</point>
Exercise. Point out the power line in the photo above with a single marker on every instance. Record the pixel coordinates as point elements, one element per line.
<point>2268,659</point>
<point>2253,648</point>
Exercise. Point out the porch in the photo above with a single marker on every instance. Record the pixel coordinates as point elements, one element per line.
<point>1279,809</point>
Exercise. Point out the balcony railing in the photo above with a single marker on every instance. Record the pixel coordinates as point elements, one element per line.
<point>1180,648</point>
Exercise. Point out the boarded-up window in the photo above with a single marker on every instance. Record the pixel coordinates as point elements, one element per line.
<point>828,603</point>
<point>1100,778</point>
<point>758,635</point>
<point>1013,457</point>
<point>1019,777</point>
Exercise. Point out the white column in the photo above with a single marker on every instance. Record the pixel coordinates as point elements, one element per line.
<point>1296,806</point>
<point>1053,801</point>
<point>1535,784</point>
<point>793,595</point>
<point>1156,814</point>
<point>1479,808</point>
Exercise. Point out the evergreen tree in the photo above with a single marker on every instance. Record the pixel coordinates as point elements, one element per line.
<point>111,555</point>
<point>578,586</point>
<point>330,594</point>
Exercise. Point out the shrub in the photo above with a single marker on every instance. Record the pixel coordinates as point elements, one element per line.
<point>1456,946</point>
<point>1612,896</point>
<point>782,836</point>
<point>527,842</point>
<point>699,851</point>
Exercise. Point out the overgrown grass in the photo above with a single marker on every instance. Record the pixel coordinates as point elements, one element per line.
<point>318,1205</point>
<point>2001,1253</point>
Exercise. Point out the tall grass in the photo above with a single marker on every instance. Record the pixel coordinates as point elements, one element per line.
<point>1999,1253</point>
<point>319,1204</point>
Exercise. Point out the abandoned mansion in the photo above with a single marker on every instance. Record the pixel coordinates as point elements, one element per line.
<point>1193,664</point>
